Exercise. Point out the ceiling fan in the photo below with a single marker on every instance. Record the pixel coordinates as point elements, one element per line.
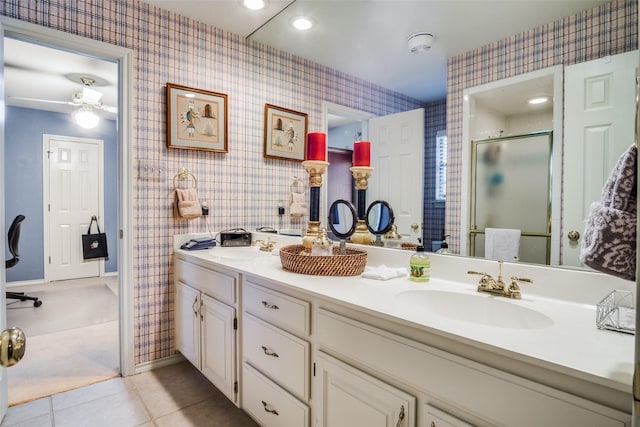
<point>87,100</point>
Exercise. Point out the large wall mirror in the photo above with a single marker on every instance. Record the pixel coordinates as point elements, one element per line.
<point>587,123</point>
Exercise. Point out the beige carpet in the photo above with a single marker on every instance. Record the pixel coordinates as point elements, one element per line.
<point>63,361</point>
<point>72,343</point>
<point>63,307</point>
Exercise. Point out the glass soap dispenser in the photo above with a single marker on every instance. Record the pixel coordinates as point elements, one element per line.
<point>420,266</point>
<point>322,246</point>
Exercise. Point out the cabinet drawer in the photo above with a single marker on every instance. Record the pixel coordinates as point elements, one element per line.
<point>434,417</point>
<point>268,403</point>
<point>287,312</point>
<point>279,355</point>
<point>213,283</point>
<point>454,379</point>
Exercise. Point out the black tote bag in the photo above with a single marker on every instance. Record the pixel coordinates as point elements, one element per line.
<point>94,245</point>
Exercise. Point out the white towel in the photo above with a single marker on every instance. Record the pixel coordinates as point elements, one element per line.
<point>383,272</point>
<point>502,244</point>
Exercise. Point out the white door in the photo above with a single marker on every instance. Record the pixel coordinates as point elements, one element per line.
<point>218,345</point>
<point>599,127</point>
<point>397,156</point>
<point>75,194</point>
<point>4,391</point>
<point>187,320</point>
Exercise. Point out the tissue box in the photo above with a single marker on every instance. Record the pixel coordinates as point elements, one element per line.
<point>617,312</point>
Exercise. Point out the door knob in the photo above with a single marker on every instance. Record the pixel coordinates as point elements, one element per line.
<point>415,227</point>
<point>573,235</point>
<point>13,343</point>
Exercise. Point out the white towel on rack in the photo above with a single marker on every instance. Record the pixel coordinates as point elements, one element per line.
<point>502,244</point>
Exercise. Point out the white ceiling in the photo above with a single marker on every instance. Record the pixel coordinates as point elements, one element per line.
<point>53,76</point>
<point>368,38</point>
<point>364,38</point>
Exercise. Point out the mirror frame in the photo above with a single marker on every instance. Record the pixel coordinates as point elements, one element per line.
<point>352,209</point>
<point>392,217</point>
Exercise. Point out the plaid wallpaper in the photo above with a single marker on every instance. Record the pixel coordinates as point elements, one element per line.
<point>242,188</point>
<point>609,29</point>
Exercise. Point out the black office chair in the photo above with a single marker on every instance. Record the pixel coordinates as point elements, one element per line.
<point>14,239</point>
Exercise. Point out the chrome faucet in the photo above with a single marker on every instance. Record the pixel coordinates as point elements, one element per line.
<point>488,284</point>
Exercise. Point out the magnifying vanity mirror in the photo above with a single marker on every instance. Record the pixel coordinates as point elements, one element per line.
<point>379,219</point>
<point>342,221</point>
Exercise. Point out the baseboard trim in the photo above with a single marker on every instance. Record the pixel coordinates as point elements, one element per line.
<point>25,283</point>
<point>158,363</point>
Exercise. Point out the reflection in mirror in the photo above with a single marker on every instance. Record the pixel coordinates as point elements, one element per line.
<point>379,219</point>
<point>342,221</point>
<point>511,188</point>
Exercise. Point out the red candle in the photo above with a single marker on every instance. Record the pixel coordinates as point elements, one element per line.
<point>362,153</point>
<point>317,146</point>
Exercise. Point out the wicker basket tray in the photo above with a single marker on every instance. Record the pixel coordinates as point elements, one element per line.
<point>297,259</point>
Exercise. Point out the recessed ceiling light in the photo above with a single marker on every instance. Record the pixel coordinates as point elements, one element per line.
<point>254,4</point>
<point>301,23</point>
<point>538,100</point>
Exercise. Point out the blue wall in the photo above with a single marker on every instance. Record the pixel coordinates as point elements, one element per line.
<point>24,188</point>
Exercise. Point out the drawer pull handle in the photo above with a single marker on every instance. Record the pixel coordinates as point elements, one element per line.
<point>400,416</point>
<point>271,306</point>
<point>271,411</point>
<point>269,352</point>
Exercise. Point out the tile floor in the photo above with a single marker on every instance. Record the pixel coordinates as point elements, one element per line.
<point>172,396</point>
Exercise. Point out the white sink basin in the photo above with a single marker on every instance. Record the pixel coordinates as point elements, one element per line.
<point>477,308</point>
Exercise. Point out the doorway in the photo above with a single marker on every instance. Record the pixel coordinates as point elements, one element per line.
<point>37,35</point>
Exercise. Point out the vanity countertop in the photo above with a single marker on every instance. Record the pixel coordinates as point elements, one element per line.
<point>563,337</point>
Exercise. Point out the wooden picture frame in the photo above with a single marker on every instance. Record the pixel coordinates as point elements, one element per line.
<point>196,119</point>
<point>285,133</point>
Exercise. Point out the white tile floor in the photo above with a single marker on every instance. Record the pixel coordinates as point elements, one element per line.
<point>173,396</point>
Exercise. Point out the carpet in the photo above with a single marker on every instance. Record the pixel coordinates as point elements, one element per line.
<point>63,361</point>
<point>63,308</point>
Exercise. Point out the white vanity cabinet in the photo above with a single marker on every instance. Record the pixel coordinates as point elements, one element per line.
<point>206,322</point>
<point>484,394</point>
<point>276,377</point>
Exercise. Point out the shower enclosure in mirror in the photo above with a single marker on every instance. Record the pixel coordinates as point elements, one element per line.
<point>511,188</point>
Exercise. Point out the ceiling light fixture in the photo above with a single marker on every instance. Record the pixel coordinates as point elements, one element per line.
<point>254,4</point>
<point>301,23</point>
<point>86,118</point>
<point>538,100</point>
<point>420,42</point>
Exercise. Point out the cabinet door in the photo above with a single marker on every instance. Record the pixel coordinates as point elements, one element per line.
<point>218,345</point>
<point>349,397</point>
<point>187,319</point>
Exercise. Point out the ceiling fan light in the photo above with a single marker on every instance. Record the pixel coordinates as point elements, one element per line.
<point>91,96</point>
<point>87,119</point>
